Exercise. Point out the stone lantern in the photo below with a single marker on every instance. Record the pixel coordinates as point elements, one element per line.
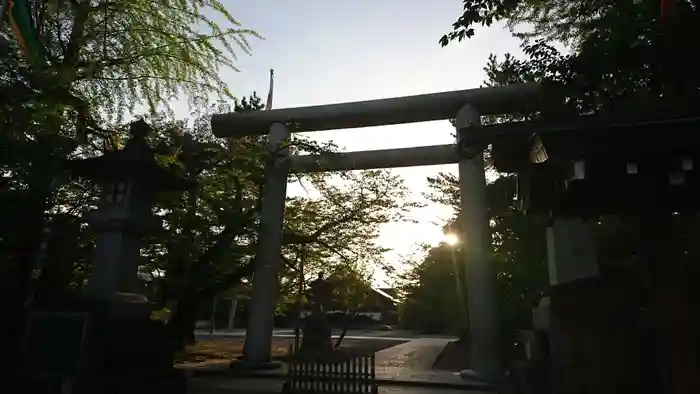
<point>317,331</point>
<point>105,338</point>
<point>321,293</point>
<point>129,179</point>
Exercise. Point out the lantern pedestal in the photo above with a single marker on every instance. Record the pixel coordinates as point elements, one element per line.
<point>99,346</point>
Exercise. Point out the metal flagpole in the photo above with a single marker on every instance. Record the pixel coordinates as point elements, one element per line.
<point>268,104</point>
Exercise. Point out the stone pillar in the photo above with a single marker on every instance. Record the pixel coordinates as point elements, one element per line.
<point>481,279</point>
<point>258,340</point>
<point>122,219</point>
<point>115,261</point>
<point>576,328</point>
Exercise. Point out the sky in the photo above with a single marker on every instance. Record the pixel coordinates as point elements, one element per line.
<point>332,51</point>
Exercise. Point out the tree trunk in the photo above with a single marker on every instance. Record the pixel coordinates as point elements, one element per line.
<point>348,321</point>
<point>212,318</point>
<point>232,314</point>
<point>182,324</point>
<point>184,320</point>
<point>57,269</point>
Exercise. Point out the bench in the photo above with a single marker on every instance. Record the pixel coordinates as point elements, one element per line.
<point>344,372</point>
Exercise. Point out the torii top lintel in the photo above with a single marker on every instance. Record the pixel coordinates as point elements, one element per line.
<point>410,109</point>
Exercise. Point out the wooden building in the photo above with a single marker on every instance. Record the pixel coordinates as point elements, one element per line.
<point>641,168</point>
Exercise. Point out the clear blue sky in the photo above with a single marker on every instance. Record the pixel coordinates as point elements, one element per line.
<point>330,51</point>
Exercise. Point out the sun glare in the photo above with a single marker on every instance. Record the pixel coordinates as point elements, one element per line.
<point>451,239</point>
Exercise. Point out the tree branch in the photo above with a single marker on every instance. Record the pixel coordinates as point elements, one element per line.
<point>291,238</point>
<point>81,10</point>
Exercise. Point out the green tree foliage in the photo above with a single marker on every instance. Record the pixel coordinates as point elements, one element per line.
<point>620,57</point>
<point>109,59</point>
<point>433,290</point>
<point>518,241</point>
<point>103,57</point>
<point>352,288</point>
<point>352,294</point>
<point>438,282</point>
<point>621,54</point>
<point>209,241</point>
<point>106,58</point>
<point>352,205</point>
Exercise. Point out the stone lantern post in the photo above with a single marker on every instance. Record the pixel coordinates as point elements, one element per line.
<point>129,179</point>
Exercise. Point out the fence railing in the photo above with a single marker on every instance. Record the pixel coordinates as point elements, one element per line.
<point>344,372</point>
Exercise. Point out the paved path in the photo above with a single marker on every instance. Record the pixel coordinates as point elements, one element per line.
<point>413,362</point>
<point>261,386</point>
<point>385,376</point>
<point>408,363</point>
<point>415,354</point>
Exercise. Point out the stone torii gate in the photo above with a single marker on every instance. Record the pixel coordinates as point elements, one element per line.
<point>466,107</point>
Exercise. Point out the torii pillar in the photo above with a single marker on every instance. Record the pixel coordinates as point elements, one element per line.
<point>263,300</point>
<point>476,240</point>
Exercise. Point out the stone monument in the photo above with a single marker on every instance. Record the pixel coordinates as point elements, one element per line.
<point>317,331</point>
<point>105,340</point>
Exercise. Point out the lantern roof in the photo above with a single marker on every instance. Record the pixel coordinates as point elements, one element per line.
<point>136,160</point>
